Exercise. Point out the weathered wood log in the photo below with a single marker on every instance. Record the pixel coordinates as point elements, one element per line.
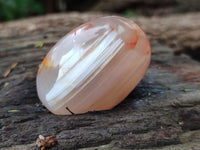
<point>144,7</point>
<point>162,112</point>
<point>181,32</point>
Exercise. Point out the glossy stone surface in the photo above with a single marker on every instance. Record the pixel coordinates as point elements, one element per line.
<point>94,67</point>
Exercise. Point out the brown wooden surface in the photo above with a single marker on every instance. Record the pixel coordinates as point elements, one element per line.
<point>181,32</point>
<point>163,111</point>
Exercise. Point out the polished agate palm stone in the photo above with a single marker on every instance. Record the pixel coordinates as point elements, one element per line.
<point>94,67</point>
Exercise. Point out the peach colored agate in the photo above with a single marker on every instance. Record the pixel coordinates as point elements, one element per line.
<point>94,67</point>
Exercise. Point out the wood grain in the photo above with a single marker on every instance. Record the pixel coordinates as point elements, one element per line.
<point>163,111</point>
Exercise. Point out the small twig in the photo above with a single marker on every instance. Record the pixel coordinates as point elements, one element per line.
<point>7,72</point>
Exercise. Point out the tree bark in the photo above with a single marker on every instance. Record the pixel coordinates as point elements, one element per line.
<point>162,112</point>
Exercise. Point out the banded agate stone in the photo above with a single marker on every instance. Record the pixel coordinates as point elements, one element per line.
<point>94,67</point>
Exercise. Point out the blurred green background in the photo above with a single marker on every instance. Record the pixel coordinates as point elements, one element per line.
<point>14,9</point>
